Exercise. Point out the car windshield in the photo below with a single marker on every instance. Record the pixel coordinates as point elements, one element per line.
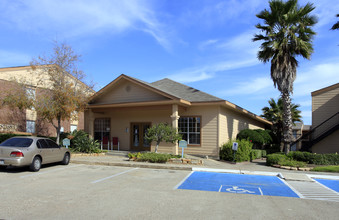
<point>17,142</point>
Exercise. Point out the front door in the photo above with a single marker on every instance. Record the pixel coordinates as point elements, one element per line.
<point>138,131</point>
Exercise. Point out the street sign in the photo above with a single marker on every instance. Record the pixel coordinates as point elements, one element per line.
<point>235,146</point>
<point>66,142</point>
<point>183,144</point>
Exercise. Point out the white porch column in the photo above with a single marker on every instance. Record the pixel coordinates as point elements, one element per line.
<point>175,117</point>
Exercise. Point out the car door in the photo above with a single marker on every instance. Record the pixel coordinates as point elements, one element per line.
<point>45,151</point>
<point>56,151</point>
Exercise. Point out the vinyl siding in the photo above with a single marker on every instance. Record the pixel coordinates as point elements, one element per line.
<point>324,105</point>
<point>222,127</point>
<point>232,122</point>
<point>122,117</point>
<point>125,91</point>
<point>209,130</point>
<point>330,144</point>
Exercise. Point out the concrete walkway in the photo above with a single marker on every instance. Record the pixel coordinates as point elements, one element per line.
<point>258,167</point>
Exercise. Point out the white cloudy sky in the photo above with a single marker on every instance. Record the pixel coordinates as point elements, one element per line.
<point>205,44</point>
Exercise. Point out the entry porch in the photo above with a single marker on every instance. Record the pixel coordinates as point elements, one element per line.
<point>124,127</point>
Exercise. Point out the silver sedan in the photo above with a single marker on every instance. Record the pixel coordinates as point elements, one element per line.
<point>32,152</point>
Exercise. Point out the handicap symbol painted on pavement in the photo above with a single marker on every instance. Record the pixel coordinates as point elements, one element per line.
<point>241,189</point>
<point>236,189</point>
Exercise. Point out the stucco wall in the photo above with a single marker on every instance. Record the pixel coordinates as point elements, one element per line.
<point>25,75</point>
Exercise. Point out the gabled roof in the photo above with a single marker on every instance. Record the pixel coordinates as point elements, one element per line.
<point>184,92</point>
<point>176,92</point>
<point>136,81</point>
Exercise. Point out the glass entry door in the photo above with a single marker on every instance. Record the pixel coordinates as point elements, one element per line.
<point>102,129</point>
<point>138,142</point>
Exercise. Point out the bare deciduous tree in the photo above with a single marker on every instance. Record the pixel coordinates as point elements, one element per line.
<point>62,92</point>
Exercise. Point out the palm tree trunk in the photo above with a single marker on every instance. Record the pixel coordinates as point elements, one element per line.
<point>287,121</point>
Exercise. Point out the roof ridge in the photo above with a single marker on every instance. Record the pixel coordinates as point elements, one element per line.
<point>185,86</point>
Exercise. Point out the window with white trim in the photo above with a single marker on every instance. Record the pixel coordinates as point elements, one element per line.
<point>30,126</point>
<point>189,128</point>
<point>74,127</point>
<point>30,93</point>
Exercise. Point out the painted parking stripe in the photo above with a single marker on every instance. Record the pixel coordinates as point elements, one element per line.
<point>316,176</point>
<point>238,183</point>
<point>315,190</point>
<point>118,174</point>
<point>330,184</point>
<point>182,181</point>
<point>292,188</point>
<point>49,171</point>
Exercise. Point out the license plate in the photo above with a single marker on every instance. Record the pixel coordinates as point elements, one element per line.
<point>2,162</point>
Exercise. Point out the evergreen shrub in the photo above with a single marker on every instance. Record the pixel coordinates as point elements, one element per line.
<point>242,154</point>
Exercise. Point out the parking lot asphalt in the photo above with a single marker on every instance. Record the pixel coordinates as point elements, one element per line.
<point>80,191</point>
<point>119,158</point>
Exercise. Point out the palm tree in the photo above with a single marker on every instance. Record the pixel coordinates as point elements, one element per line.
<point>286,34</point>
<point>274,114</point>
<point>336,25</point>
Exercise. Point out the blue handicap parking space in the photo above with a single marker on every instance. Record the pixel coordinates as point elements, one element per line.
<point>332,184</point>
<point>237,183</point>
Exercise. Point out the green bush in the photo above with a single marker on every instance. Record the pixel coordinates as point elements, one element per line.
<point>152,157</point>
<point>326,169</point>
<point>283,160</point>
<point>242,154</point>
<point>273,159</point>
<point>257,154</point>
<point>81,142</point>
<point>258,137</point>
<point>266,135</point>
<point>317,159</point>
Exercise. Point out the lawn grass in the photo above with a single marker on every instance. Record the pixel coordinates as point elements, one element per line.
<point>334,169</point>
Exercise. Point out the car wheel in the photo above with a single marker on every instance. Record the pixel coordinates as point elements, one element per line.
<point>66,159</point>
<point>36,164</point>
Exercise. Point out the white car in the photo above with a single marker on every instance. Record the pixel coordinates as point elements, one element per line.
<point>32,151</point>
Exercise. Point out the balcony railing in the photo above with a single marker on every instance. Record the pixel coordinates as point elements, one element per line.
<point>319,132</point>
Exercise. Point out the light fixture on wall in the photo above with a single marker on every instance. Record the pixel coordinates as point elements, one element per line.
<point>126,130</point>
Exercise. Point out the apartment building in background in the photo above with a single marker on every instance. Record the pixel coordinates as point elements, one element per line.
<point>27,121</point>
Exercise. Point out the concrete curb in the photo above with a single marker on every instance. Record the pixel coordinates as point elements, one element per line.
<point>265,173</point>
<point>140,165</point>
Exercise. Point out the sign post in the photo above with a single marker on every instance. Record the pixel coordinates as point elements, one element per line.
<point>234,148</point>
<point>182,144</point>
<point>66,142</point>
